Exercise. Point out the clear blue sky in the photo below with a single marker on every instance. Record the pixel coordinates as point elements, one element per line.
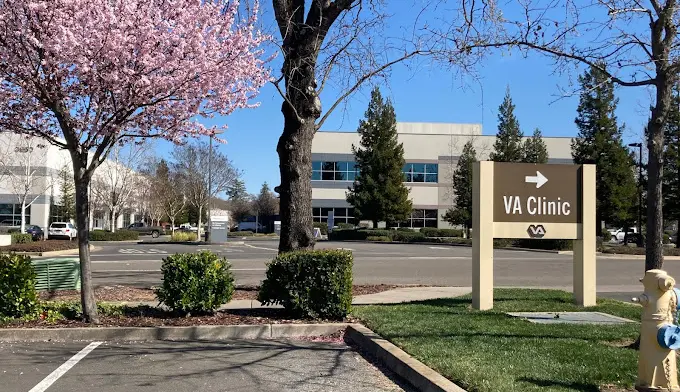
<point>431,94</point>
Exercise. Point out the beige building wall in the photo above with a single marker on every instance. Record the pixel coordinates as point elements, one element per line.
<point>428,143</point>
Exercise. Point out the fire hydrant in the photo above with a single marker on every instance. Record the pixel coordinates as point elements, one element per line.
<point>660,336</point>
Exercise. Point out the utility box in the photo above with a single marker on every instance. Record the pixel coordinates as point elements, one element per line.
<point>219,229</point>
<point>277,227</point>
<point>60,273</point>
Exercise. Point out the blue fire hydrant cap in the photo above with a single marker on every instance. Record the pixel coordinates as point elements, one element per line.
<point>669,336</point>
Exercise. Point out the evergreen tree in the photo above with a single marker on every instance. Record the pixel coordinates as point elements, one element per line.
<point>461,212</point>
<point>534,149</point>
<point>238,190</point>
<point>266,203</point>
<point>508,145</point>
<point>67,200</point>
<point>600,142</point>
<point>378,192</point>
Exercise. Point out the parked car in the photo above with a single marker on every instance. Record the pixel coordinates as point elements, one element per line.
<point>617,235</point>
<point>62,230</point>
<point>143,228</point>
<point>36,232</point>
<point>250,226</point>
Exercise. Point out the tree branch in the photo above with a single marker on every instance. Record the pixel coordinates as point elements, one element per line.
<point>360,81</point>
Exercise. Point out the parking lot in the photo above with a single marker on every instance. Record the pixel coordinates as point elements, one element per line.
<point>139,265</point>
<point>238,365</point>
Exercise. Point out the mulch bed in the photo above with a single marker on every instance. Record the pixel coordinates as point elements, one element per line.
<point>154,317</point>
<point>41,246</point>
<point>136,294</point>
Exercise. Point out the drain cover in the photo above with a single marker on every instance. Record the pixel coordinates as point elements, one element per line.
<point>570,317</point>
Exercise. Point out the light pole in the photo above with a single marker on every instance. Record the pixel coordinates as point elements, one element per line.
<point>210,153</point>
<point>639,225</point>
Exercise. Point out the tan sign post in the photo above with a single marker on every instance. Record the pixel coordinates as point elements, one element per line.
<point>524,200</point>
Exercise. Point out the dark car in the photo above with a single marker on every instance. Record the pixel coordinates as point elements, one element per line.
<point>36,232</point>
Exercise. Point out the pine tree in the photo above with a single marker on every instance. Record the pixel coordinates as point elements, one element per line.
<point>461,212</point>
<point>508,145</point>
<point>671,169</point>
<point>67,200</point>
<point>237,191</point>
<point>600,142</point>
<point>266,203</point>
<point>534,149</point>
<point>378,192</point>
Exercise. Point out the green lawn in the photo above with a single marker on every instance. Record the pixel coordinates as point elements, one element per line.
<point>490,351</point>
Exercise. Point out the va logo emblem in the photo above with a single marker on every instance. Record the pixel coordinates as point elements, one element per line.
<point>536,231</point>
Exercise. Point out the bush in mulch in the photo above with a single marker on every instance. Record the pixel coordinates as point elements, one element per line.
<point>19,238</point>
<point>41,246</point>
<point>378,238</point>
<point>632,250</point>
<point>18,296</point>
<point>196,283</point>
<point>323,227</point>
<point>183,236</point>
<point>310,284</point>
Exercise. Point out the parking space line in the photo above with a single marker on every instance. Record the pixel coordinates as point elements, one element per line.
<point>65,367</point>
<point>259,247</point>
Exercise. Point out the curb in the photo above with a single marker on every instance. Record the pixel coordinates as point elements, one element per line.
<point>410,369</point>
<point>634,257</point>
<point>203,332</point>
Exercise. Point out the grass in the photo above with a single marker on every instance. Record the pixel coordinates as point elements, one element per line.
<point>491,352</point>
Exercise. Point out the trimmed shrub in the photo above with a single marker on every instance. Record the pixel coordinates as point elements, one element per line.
<point>343,225</point>
<point>120,235</point>
<point>406,229</point>
<point>434,232</point>
<point>666,238</point>
<point>545,244</point>
<point>403,236</point>
<point>378,238</point>
<point>18,296</point>
<point>633,250</point>
<point>183,236</point>
<point>310,284</point>
<point>195,283</point>
<point>244,233</point>
<point>18,238</point>
<point>501,243</point>
<point>323,227</point>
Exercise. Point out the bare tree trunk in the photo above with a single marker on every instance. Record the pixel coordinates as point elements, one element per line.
<point>655,144</point>
<point>198,230</point>
<point>82,182</point>
<point>23,216</point>
<point>114,219</point>
<point>295,157</point>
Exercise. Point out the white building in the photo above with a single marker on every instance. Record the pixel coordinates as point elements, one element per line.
<point>30,167</point>
<point>431,151</point>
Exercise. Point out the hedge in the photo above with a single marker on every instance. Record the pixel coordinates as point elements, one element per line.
<point>120,235</point>
<point>310,284</point>
<point>434,232</point>
<point>18,238</point>
<point>545,244</point>
<point>631,250</point>
<point>377,238</point>
<point>183,236</point>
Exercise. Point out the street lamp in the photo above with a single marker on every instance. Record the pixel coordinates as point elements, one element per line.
<point>639,225</point>
<point>208,232</point>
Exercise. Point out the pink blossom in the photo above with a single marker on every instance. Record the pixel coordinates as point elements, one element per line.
<point>121,69</point>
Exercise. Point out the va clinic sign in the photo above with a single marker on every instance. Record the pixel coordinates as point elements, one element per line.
<point>533,201</point>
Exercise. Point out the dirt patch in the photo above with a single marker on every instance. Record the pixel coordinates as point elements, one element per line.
<point>136,294</point>
<point>147,316</point>
<point>615,388</point>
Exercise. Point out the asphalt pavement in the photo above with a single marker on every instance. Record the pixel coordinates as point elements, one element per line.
<point>238,365</point>
<point>139,265</point>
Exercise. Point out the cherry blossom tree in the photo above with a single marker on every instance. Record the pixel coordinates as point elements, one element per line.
<point>87,75</point>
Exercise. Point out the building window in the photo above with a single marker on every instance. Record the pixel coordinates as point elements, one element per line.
<point>10,214</point>
<point>333,171</point>
<point>421,172</point>
<point>419,218</point>
<point>340,215</point>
